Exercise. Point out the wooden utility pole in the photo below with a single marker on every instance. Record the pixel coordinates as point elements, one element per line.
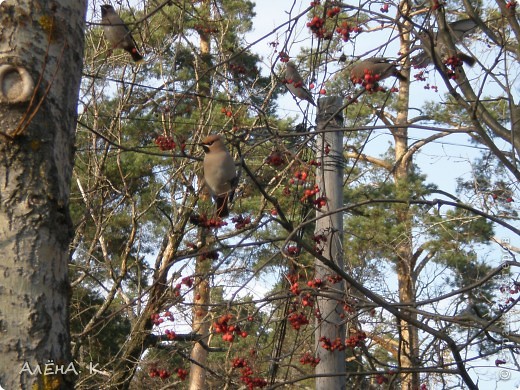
<point>330,324</point>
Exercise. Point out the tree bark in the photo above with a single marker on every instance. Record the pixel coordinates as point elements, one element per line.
<point>41,51</point>
<point>408,340</point>
<point>201,322</point>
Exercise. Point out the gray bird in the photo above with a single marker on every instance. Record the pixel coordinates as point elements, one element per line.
<point>117,33</point>
<point>294,83</point>
<point>219,172</point>
<point>457,31</point>
<point>380,68</point>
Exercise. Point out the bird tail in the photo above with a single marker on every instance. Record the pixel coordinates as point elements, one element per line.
<point>136,56</point>
<point>468,60</point>
<point>399,75</point>
<point>222,206</point>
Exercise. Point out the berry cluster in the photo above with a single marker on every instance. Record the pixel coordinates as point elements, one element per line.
<point>301,176</point>
<point>420,76</point>
<point>515,289</point>
<point>227,112</point>
<point>319,239</point>
<point>170,334</point>
<point>182,373</point>
<point>307,300</point>
<point>163,374</point>
<point>228,331</point>
<point>317,26</point>
<point>511,5</point>
<point>332,345</point>
<point>237,69</point>
<point>249,381</point>
<point>247,373</point>
<point>384,8</point>
<point>432,87</point>
<point>293,279</point>
<point>187,281</point>
<point>295,288</point>
<point>308,193</point>
<point>369,81</point>
<point>165,143</point>
<point>333,279</point>
<point>297,320</point>
<point>241,222</point>
<point>453,62</point>
<point>293,250</point>
<point>157,319</point>
<point>316,283</point>
<point>502,195</point>
<point>331,12</point>
<point>275,159</point>
<point>349,308</point>
<point>205,29</point>
<point>284,57</point>
<point>203,221</point>
<point>297,84</point>
<point>308,358</point>
<point>320,202</point>
<point>239,363</point>
<point>380,379</point>
<point>344,30</point>
<point>356,340</point>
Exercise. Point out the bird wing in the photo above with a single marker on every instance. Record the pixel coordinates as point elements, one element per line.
<point>461,28</point>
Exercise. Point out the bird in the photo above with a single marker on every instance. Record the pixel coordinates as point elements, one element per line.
<point>378,67</point>
<point>219,172</point>
<point>117,33</point>
<point>294,83</point>
<point>460,28</point>
<point>457,31</point>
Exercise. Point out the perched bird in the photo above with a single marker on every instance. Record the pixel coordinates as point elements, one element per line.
<point>428,40</point>
<point>219,172</point>
<point>117,33</point>
<point>294,83</point>
<point>377,67</point>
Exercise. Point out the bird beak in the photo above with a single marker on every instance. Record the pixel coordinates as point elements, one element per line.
<point>205,147</point>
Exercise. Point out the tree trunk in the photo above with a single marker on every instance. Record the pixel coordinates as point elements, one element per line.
<point>41,51</point>
<point>329,179</point>
<point>201,322</point>
<point>408,341</point>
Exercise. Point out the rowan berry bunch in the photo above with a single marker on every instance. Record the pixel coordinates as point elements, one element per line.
<point>240,221</point>
<point>227,330</point>
<point>165,143</point>
<point>247,374</point>
<point>297,320</point>
<point>329,345</point>
<point>310,359</point>
<point>202,220</point>
<point>160,373</point>
<point>369,81</point>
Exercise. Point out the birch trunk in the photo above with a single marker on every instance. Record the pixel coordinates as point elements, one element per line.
<point>41,52</point>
